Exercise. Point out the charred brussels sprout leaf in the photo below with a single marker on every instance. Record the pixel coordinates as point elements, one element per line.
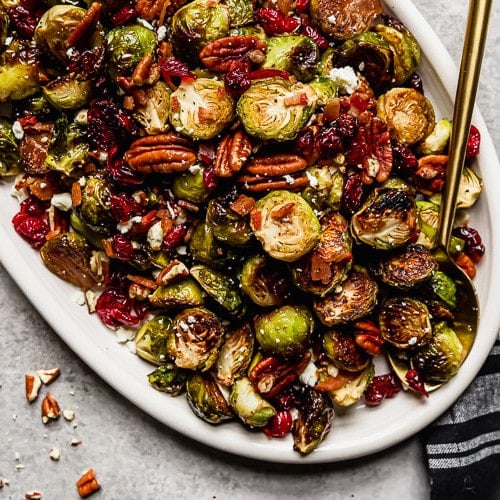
<point>185,292</point>
<point>250,407</point>
<point>221,287</point>
<point>169,378</point>
<point>9,150</point>
<point>200,108</point>
<point>275,108</point>
<point>152,338</point>
<point>197,339</point>
<point>355,298</point>
<point>206,399</point>
<point>285,224</point>
<point>343,351</point>
<point>405,322</point>
<point>314,420</point>
<point>67,255</point>
<point>285,331</point>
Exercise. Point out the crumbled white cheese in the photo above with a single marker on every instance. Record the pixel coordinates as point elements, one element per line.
<point>79,298</point>
<point>62,201</point>
<point>145,23</point>
<point>124,227</point>
<point>155,236</point>
<point>55,453</point>
<point>313,181</point>
<point>161,33</point>
<point>345,78</point>
<point>332,19</point>
<point>17,130</point>
<point>310,375</point>
<point>194,169</point>
<point>81,118</point>
<point>124,335</point>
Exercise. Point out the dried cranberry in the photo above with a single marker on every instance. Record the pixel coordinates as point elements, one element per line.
<point>89,62</point>
<point>124,15</point>
<point>23,20</point>
<point>32,229</point>
<point>175,237</point>
<point>119,170</point>
<point>404,162</point>
<point>123,248</point>
<point>380,388</point>
<point>329,144</point>
<point>346,126</point>
<point>415,82</point>
<point>352,193</point>
<point>115,308</point>
<point>302,6</point>
<point>32,206</point>
<point>275,23</point>
<point>415,382</point>
<point>304,143</point>
<point>268,73</point>
<point>173,70</point>
<point>473,143</point>
<point>473,246</point>
<point>236,80</point>
<point>209,179</point>
<point>315,35</point>
<point>279,425</point>
<point>124,207</point>
<point>206,152</point>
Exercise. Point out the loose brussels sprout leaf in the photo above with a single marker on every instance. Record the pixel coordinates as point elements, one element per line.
<point>428,220</point>
<point>201,108</point>
<point>182,293</point>
<point>264,281</point>
<point>408,113</point>
<point>275,108</point>
<point>405,49</point>
<point>284,331</point>
<point>356,297</point>
<point>405,322</point>
<point>190,186</point>
<point>471,186</point>
<point>9,150</point>
<point>206,399</point>
<point>196,24</point>
<point>153,112</point>
<point>221,287</point>
<point>240,12</point>
<point>387,219</point>
<point>92,237</point>
<point>151,339</point>
<point>437,141</point>
<point>343,352</point>
<point>235,355</point>
<point>314,420</point>
<point>372,54</point>
<point>297,54</point>
<point>250,407</point>
<point>67,92</point>
<point>441,358</point>
<point>408,268</point>
<point>169,378</point>
<point>445,289</point>
<point>285,224</point>
<point>67,255</point>
<point>95,209</point>
<point>126,46</point>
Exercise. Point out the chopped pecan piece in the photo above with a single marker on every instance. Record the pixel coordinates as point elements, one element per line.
<point>232,153</point>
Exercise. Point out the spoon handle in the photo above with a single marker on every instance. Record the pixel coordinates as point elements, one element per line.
<point>470,68</point>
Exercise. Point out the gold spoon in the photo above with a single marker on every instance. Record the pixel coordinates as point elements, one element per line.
<point>467,313</point>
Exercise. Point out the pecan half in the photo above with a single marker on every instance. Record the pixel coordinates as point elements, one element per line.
<point>157,9</point>
<point>232,153</point>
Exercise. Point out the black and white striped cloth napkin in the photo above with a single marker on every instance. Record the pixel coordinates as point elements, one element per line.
<point>463,446</point>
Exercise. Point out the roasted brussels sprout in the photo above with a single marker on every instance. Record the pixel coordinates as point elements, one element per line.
<point>201,108</point>
<point>444,289</point>
<point>9,150</point>
<point>275,108</point>
<point>314,420</point>
<point>342,350</point>
<point>297,54</point>
<point>328,263</point>
<point>151,339</point>
<point>264,281</point>
<point>325,188</point>
<point>185,292</point>
<point>325,89</point>
<point>190,186</point>
<point>441,358</point>
<point>126,46</point>
<point>405,322</point>
<point>221,287</point>
<point>250,407</point>
<point>67,92</point>
<point>354,298</point>
<point>285,224</point>
<point>408,268</point>
<point>197,23</point>
<point>240,12</point>
<point>152,112</point>
<point>67,255</point>
<point>437,141</point>
<point>169,378</point>
<point>235,355</point>
<point>284,331</point>
<point>206,399</point>
<point>408,113</point>
<point>387,219</point>
<point>197,339</point>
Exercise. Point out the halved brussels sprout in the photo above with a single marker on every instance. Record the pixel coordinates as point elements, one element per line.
<point>197,23</point>
<point>264,281</point>
<point>190,186</point>
<point>329,262</point>
<point>275,108</point>
<point>206,399</point>
<point>437,141</point>
<point>95,208</point>
<point>325,89</point>
<point>126,46</point>
<point>405,48</point>
<point>185,292</point>
<point>151,339</point>
<point>201,108</point>
<point>221,287</point>
<point>408,268</point>
<point>285,224</point>
<point>314,420</point>
<point>408,113</point>
<point>297,54</point>
<point>169,378</point>
<point>371,54</point>
<point>441,358</point>
<point>235,355</point>
<point>67,92</point>
<point>9,150</point>
<point>250,407</point>
<point>405,322</point>
<point>284,331</point>
<point>342,350</point>
<point>67,255</point>
<point>197,339</point>
<point>387,219</point>
<point>354,298</point>
<point>445,289</point>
